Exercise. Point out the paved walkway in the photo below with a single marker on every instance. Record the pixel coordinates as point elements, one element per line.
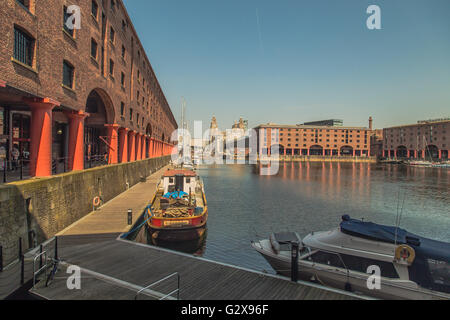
<point>112,217</point>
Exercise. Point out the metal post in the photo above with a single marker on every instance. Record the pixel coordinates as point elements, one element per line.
<point>1,259</point>
<point>22,266</point>
<point>56,248</point>
<point>294,261</point>
<point>20,247</point>
<point>130,217</point>
<point>4,172</point>
<point>21,169</point>
<point>40,256</point>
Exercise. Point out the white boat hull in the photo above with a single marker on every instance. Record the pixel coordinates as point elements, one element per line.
<point>339,279</point>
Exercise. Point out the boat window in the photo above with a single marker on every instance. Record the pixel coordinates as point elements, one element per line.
<point>440,272</point>
<point>327,258</point>
<point>361,264</point>
<point>188,180</point>
<point>171,180</point>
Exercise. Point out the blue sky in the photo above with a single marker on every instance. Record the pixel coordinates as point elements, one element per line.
<point>291,61</point>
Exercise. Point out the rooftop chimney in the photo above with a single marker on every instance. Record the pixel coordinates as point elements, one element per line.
<point>370,123</point>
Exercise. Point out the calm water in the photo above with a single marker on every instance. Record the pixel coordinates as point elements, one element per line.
<point>305,197</point>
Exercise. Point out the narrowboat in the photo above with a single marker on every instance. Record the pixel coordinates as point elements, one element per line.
<point>178,210</point>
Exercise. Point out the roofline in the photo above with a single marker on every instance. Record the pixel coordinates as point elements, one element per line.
<point>302,126</point>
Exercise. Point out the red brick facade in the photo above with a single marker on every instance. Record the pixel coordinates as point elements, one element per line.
<point>424,140</point>
<point>111,75</point>
<point>314,140</point>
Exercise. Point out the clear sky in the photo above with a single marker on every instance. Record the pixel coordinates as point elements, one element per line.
<point>291,61</point>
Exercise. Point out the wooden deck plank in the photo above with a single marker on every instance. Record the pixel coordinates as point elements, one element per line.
<point>112,216</point>
<point>142,265</point>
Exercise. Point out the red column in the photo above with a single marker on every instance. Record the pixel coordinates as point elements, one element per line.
<point>150,148</point>
<point>323,152</point>
<point>76,139</point>
<point>144,147</point>
<point>131,146</point>
<point>123,144</point>
<point>138,147</point>
<point>307,153</point>
<point>415,154</point>
<point>440,154</point>
<point>2,84</point>
<point>423,154</point>
<point>41,136</point>
<point>113,151</point>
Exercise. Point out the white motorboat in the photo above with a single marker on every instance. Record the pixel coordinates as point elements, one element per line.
<point>410,266</point>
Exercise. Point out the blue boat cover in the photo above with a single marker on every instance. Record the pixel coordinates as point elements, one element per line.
<point>427,251</point>
<point>175,194</point>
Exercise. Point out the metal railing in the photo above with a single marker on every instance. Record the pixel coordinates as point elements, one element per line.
<point>177,290</point>
<point>14,170</point>
<point>60,165</point>
<point>42,266</point>
<point>93,161</point>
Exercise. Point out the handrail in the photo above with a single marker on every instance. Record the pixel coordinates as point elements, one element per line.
<point>44,253</point>
<point>177,291</point>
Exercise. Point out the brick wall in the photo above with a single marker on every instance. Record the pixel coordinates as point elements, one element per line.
<point>48,205</point>
<point>52,45</point>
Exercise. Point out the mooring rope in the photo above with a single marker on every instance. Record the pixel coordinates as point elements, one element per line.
<point>147,209</point>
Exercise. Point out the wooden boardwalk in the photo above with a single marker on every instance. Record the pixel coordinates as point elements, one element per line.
<point>117,269</point>
<point>111,218</point>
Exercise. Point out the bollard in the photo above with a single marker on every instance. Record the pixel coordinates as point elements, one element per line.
<point>294,261</point>
<point>130,217</point>
<point>1,259</point>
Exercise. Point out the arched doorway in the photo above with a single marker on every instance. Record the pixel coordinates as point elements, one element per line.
<point>431,152</point>
<point>402,152</point>
<point>316,150</point>
<point>101,111</point>
<point>346,151</point>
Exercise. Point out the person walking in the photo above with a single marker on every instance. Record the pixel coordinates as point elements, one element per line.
<point>15,156</point>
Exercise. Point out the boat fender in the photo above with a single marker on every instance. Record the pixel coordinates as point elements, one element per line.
<point>274,243</point>
<point>404,254</point>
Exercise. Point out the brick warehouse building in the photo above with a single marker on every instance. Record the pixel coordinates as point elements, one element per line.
<point>308,140</point>
<point>428,140</point>
<point>72,95</point>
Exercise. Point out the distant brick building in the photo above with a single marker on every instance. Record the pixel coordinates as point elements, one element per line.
<point>74,94</point>
<point>423,140</point>
<point>309,140</point>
